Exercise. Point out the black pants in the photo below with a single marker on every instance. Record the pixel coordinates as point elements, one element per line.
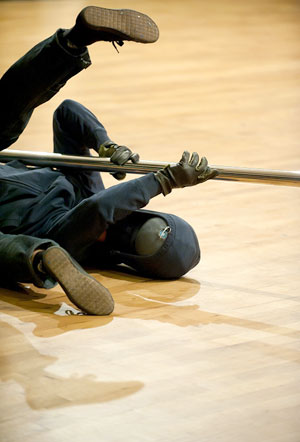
<point>34,79</point>
<point>31,81</point>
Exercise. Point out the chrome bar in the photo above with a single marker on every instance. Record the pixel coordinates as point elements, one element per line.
<point>225,173</point>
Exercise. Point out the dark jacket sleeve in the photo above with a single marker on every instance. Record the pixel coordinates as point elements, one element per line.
<point>80,227</point>
<point>15,259</point>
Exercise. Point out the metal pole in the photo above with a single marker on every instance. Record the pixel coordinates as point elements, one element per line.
<point>225,173</point>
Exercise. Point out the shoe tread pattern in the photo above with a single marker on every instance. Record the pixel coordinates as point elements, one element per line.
<point>81,288</point>
<point>129,24</point>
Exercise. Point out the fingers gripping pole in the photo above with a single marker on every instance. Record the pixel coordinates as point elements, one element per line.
<point>225,173</point>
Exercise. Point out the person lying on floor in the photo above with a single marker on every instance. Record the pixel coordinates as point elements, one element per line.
<point>54,221</point>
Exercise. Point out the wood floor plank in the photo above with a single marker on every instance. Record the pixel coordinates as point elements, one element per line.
<point>214,356</point>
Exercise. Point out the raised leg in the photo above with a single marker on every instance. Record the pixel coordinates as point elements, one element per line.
<point>33,80</point>
<point>76,131</point>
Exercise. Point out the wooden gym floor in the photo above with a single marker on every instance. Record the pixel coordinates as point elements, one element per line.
<point>214,356</point>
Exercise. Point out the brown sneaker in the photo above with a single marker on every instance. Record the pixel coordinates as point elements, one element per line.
<point>81,288</point>
<point>115,25</point>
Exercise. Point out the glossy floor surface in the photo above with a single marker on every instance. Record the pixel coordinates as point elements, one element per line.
<point>214,356</point>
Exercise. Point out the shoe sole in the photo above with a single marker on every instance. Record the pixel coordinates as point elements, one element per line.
<point>81,288</point>
<point>125,24</point>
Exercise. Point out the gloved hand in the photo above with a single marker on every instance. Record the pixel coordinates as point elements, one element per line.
<point>118,155</point>
<point>188,172</point>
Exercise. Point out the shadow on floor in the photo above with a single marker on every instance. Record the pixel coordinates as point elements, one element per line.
<point>135,298</point>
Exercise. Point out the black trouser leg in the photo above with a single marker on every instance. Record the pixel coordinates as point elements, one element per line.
<point>32,80</point>
<point>76,130</point>
<point>15,259</point>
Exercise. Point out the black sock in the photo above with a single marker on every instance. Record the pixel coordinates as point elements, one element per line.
<point>37,263</point>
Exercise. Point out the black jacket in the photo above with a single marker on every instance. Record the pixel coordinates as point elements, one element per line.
<point>31,198</point>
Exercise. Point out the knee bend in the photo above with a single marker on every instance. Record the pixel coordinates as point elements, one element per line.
<point>65,107</point>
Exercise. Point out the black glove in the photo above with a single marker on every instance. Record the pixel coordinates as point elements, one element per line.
<point>188,172</point>
<point>118,155</point>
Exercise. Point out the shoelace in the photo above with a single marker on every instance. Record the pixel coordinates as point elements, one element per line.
<point>119,42</point>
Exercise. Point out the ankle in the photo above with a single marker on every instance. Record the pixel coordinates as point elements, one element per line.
<point>37,262</point>
<point>70,43</point>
